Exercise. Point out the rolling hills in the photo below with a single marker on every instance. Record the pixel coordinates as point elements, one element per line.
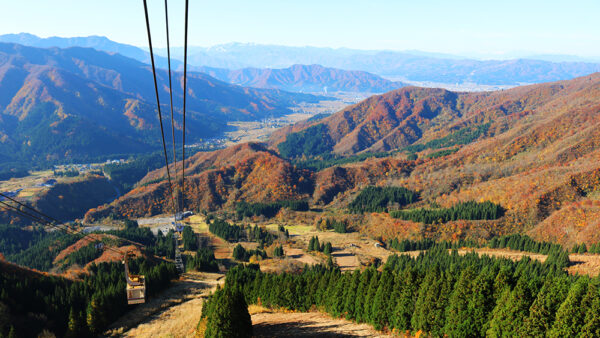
<point>532,150</point>
<point>80,104</point>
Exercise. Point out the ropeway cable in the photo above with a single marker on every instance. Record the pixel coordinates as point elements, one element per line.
<point>157,98</point>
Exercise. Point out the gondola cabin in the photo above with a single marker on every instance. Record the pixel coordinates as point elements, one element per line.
<point>136,285</point>
<point>136,294</point>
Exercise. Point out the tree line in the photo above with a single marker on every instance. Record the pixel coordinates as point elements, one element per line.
<point>42,249</point>
<point>524,243</point>
<point>14,239</point>
<point>126,175</point>
<point>469,210</point>
<point>312,141</point>
<point>6,173</point>
<point>515,242</point>
<point>583,248</point>
<point>235,233</point>
<point>459,137</point>
<point>439,293</point>
<point>338,226</point>
<point>241,254</point>
<point>204,260</point>
<point>221,228</point>
<point>378,199</point>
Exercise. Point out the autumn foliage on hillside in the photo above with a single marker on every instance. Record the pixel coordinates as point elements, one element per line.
<point>532,150</point>
<point>258,176</point>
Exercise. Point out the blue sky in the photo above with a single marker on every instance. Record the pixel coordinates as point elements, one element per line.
<point>473,27</point>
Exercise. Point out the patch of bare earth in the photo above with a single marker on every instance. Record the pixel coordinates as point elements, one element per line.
<point>308,324</point>
<point>584,264</point>
<point>173,313</point>
<point>505,253</point>
<point>300,255</point>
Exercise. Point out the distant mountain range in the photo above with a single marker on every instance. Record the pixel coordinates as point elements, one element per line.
<point>409,65</point>
<point>302,78</point>
<point>80,103</point>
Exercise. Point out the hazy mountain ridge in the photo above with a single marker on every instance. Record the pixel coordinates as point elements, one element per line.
<point>408,65</point>
<point>99,43</point>
<point>305,78</point>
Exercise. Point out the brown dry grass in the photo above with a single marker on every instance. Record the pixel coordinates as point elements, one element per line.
<point>307,324</point>
<point>177,321</point>
<point>350,250</point>
<point>584,264</point>
<point>173,313</point>
<point>505,253</point>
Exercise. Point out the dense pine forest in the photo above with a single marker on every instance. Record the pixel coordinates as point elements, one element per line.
<point>235,233</point>
<point>438,293</point>
<point>378,199</point>
<point>31,303</point>
<point>459,137</point>
<point>312,141</point>
<point>464,211</point>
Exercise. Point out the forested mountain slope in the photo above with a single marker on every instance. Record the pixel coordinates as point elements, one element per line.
<point>79,103</point>
<point>216,180</point>
<point>415,115</point>
<point>532,150</point>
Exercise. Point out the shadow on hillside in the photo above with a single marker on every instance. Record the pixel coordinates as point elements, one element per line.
<point>342,254</point>
<point>301,329</point>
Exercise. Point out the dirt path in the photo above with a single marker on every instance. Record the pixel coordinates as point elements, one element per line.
<point>174,313</point>
<point>311,324</point>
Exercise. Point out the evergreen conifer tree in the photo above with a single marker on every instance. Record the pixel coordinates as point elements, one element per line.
<point>511,310</point>
<point>591,327</point>
<point>543,310</point>
<point>482,302</point>
<point>405,304</point>
<point>426,304</point>
<point>569,317</point>
<point>458,317</point>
